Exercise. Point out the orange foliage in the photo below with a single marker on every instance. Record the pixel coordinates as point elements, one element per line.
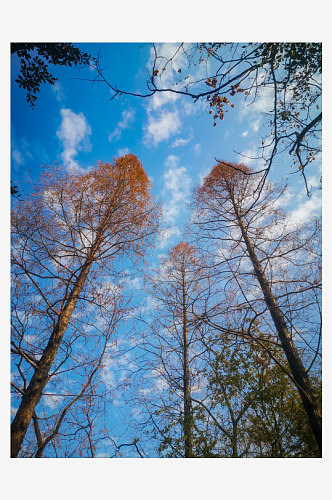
<point>181,252</point>
<point>222,174</point>
<point>112,198</point>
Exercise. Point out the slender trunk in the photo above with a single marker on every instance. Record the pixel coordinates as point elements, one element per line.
<point>186,384</point>
<point>299,373</point>
<point>40,377</point>
<point>234,441</point>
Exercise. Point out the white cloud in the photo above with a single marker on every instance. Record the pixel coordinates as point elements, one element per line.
<point>313,181</point>
<point>172,57</point>
<point>21,151</point>
<point>191,108</point>
<point>181,142</point>
<point>285,199</point>
<point>162,127</point>
<point>203,174</point>
<point>26,146</point>
<point>177,181</point>
<point>245,133</point>
<point>167,235</point>
<point>17,157</point>
<point>177,184</point>
<point>123,152</point>
<point>262,103</point>
<point>161,98</point>
<point>127,118</point>
<point>51,401</point>
<point>248,156</point>
<point>172,161</point>
<point>57,90</point>
<point>252,156</point>
<point>312,206</point>
<point>255,109</point>
<point>197,149</point>
<point>255,124</point>
<point>135,283</point>
<point>167,51</point>
<point>74,134</point>
<point>166,123</point>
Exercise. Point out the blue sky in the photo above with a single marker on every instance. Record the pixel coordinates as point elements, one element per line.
<point>76,123</point>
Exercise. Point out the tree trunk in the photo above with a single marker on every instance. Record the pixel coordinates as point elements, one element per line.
<point>234,441</point>
<point>299,373</point>
<point>186,384</point>
<point>40,377</point>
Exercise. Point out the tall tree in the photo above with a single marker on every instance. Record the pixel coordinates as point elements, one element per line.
<point>69,240</point>
<point>169,338</point>
<point>260,242</point>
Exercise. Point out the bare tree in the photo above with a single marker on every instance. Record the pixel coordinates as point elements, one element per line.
<point>167,337</point>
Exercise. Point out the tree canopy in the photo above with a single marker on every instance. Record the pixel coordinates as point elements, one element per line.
<point>34,68</point>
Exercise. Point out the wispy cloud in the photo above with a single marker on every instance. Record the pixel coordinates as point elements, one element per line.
<point>21,150</point>
<point>162,98</point>
<point>127,118</point>
<point>166,50</point>
<point>191,108</point>
<point>160,128</point>
<point>164,110</point>
<point>171,161</point>
<point>312,206</point>
<point>74,134</point>
<point>248,156</point>
<point>262,103</point>
<point>168,235</point>
<point>169,73</point>
<point>197,149</point>
<point>181,142</point>
<point>255,109</point>
<point>17,156</point>
<point>252,156</point>
<point>177,184</point>
<point>57,90</point>
<point>123,152</point>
